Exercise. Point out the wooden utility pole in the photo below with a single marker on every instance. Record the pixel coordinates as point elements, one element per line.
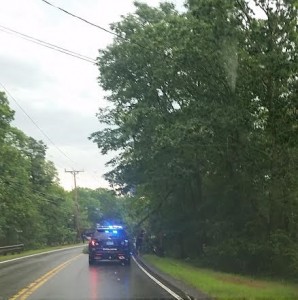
<point>76,203</point>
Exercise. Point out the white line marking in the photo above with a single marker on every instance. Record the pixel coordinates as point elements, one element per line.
<point>32,255</point>
<point>158,282</point>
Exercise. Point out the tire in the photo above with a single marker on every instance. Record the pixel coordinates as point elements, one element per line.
<point>91,261</point>
<point>127,262</point>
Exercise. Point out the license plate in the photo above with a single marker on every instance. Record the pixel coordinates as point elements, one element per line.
<point>110,243</point>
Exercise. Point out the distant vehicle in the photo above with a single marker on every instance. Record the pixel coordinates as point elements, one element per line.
<point>109,243</point>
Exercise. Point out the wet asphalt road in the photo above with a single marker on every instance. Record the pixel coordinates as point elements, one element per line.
<point>67,275</point>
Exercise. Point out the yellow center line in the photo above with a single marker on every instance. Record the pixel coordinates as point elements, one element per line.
<point>29,289</point>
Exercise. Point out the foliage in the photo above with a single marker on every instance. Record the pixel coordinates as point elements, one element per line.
<point>203,114</point>
<point>223,286</point>
<point>35,210</point>
<point>104,207</point>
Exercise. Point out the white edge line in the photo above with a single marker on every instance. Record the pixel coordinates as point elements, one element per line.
<point>158,282</point>
<point>37,254</point>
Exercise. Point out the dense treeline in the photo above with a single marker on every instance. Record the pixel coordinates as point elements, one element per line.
<point>203,111</point>
<point>34,208</point>
<point>100,206</point>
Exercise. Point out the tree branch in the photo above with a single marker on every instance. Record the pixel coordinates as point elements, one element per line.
<point>160,204</point>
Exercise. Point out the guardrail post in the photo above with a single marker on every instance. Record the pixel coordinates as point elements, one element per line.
<point>11,249</point>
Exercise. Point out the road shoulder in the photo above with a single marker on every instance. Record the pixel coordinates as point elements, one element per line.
<point>178,286</point>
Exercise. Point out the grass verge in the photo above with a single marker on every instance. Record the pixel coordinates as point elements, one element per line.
<point>35,251</point>
<point>224,286</point>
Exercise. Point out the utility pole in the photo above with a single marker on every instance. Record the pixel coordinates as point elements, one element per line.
<point>76,203</point>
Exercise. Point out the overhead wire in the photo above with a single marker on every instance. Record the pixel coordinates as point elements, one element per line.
<point>109,31</point>
<point>101,28</point>
<point>56,48</point>
<point>36,125</point>
<point>82,19</point>
<point>106,30</point>
<point>88,22</point>
<point>162,54</point>
<point>46,44</point>
<point>92,24</point>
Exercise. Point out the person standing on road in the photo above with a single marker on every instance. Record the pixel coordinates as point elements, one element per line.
<point>139,241</point>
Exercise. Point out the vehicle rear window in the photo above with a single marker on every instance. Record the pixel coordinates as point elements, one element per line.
<point>109,233</point>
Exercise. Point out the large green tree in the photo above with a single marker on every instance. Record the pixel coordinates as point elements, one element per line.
<point>203,111</point>
<point>35,210</point>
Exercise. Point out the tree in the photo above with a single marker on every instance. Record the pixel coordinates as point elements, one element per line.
<point>34,209</point>
<point>203,114</point>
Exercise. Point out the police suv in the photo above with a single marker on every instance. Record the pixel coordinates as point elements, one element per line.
<point>109,243</point>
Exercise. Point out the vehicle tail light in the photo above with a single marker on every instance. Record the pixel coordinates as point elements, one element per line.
<point>92,243</point>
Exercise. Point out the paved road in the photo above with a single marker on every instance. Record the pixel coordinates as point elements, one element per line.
<point>67,275</point>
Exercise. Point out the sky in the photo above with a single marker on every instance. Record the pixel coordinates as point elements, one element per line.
<point>60,93</point>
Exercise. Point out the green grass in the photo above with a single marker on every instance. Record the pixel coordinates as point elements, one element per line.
<point>224,286</point>
<point>35,251</point>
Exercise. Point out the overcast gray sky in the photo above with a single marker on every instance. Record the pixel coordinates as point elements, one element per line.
<point>59,92</point>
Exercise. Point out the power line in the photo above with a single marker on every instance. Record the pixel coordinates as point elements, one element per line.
<point>93,24</point>
<point>161,54</point>
<point>36,125</point>
<point>82,19</point>
<point>46,44</point>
